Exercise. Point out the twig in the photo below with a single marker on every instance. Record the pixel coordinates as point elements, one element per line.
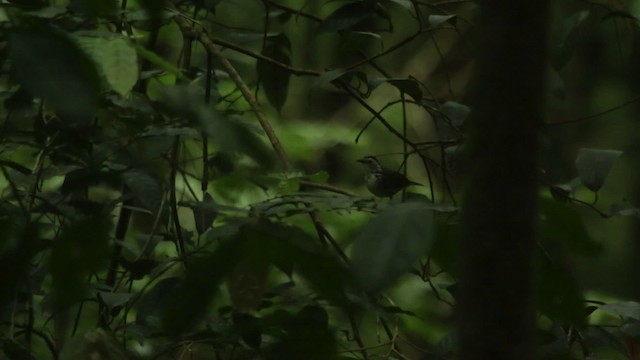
<point>589,117</point>
<point>206,41</point>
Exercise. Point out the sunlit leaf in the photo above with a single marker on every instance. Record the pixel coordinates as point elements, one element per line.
<point>116,59</point>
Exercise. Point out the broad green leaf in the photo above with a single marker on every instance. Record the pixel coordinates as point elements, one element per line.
<point>328,77</point>
<point>247,284</point>
<point>286,246</point>
<point>274,78</point>
<point>116,58</point>
<point>49,64</point>
<point>455,112</point>
<point>407,86</point>
<point>625,309</point>
<point>437,20</point>
<point>406,4</point>
<point>149,308</point>
<point>450,119</point>
<point>48,12</point>
<point>82,247</point>
<point>346,17</point>
<point>391,243</point>
<point>631,327</point>
<point>593,166</point>
<point>146,189</point>
<point>187,303</point>
<point>227,132</point>
<point>567,38</point>
<point>112,300</point>
<point>562,225</point>
<point>204,213</point>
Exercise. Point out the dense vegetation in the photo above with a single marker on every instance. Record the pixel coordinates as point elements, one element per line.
<point>179,179</point>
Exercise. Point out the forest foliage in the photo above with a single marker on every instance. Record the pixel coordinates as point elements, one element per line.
<point>178,179</point>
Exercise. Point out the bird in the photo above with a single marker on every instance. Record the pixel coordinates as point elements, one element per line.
<point>382,182</point>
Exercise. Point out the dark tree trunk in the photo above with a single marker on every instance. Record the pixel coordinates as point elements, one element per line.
<point>496,305</point>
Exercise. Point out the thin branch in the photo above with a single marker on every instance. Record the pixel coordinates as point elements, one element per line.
<point>589,117</point>
<point>206,41</point>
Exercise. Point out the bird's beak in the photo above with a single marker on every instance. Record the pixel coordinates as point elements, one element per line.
<point>361,161</point>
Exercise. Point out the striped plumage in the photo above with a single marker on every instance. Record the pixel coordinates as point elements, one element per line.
<point>382,182</point>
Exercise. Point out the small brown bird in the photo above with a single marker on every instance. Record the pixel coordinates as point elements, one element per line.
<point>382,182</point>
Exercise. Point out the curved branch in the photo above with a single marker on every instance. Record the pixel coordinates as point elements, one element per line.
<point>205,40</point>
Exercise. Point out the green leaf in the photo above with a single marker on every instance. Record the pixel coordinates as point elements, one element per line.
<point>563,225</point>
<point>274,78</point>
<point>347,17</point>
<point>146,189</point>
<point>406,86</point>
<point>204,213</point>
<point>450,119</point>
<point>328,77</point>
<point>149,308</point>
<point>49,64</point>
<point>437,20</point>
<point>391,243</point>
<point>83,247</point>
<point>227,132</point>
<point>568,38</point>
<point>112,300</point>
<point>188,302</point>
<point>625,309</point>
<point>405,4</point>
<point>116,59</point>
<point>48,12</point>
<point>593,166</point>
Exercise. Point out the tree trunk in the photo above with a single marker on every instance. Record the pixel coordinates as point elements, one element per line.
<point>496,305</point>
